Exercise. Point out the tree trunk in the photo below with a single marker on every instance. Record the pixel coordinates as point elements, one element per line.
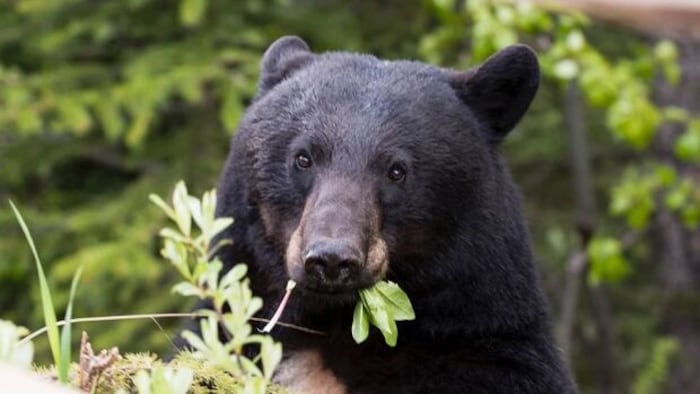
<point>577,262</point>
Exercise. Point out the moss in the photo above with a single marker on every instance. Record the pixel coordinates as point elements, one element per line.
<point>208,378</point>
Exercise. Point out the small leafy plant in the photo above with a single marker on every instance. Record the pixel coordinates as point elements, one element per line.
<point>163,380</point>
<point>191,251</point>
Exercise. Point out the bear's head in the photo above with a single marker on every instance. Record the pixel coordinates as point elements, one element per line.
<point>359,169</point>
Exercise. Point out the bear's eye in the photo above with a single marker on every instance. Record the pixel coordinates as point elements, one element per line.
<point>302,161</point>
<point>397,173</point>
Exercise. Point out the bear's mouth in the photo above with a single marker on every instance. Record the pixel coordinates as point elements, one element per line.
<point>329,295</point>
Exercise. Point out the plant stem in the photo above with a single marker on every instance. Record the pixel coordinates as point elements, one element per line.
<point>271,324</point>
<point>154,316</point>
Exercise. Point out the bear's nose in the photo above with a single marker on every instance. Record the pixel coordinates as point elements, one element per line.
<point>332,262</point>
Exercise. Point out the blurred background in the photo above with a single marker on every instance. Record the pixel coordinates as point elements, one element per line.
<point>103,102</point>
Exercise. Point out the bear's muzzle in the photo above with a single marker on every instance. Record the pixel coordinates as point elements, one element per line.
<point>337,246</point>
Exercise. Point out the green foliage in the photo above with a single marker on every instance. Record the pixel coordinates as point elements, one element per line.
<point>381,305</point>
<point>163,380</point>
<point>190,251</point>
<point>606,262</point>
<point>103,103</point>
<point>61,359</point>
<point>633,198</point>
<point>652,377</point>
<point>666,54</point>
<point>617,85</point>
<point>688,145</point>
<point>64,364</point>
<point>192,12</point>
<point>77,99</point>
<point>683,197</point>
<point>168,377</point>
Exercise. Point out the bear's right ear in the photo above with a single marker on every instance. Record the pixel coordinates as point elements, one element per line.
<point>500,91</point>
<point>281,59</point>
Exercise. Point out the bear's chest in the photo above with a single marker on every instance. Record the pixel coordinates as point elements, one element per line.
<point>305,373</point>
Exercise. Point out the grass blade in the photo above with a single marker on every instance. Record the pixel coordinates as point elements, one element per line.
<point>63,366</point>
<point>46,301</point>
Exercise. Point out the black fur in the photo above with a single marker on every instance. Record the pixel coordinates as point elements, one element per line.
<point>454,230</point>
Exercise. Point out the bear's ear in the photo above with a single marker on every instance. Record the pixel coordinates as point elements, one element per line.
<point>281,59</point>
<point>500,90</point>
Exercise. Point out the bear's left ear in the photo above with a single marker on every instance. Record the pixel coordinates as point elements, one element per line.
<point>283,57</point>
<point>500,90</point>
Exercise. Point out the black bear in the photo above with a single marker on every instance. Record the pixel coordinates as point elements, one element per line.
<point>346,170</point>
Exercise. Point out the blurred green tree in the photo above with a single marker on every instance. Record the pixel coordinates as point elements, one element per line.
<point>102,103</point>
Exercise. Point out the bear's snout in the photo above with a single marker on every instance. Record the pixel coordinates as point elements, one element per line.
<point>337,245</point>
<point>334,262</point>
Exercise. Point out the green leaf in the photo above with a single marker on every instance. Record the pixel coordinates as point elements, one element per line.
<point>164,380</point>
<point>142,381</point>
<point>606,261</point>
<point>566,69</point>
<point>139,126</point>
<point>688,146</point>
<point>74,116</point>
<point>187,289</point>
<point>220,224</point>
<point>381,306</point>
<point>209,205</point>
<point>179,381</point>
<point>192,12</point>
<point>397,300</point>
<point>383,320</point>
<point>666,53</point>
<point>233,275</point>
<point>665,174</point>
<point>182,211</point>
<point>110,118</point>
<point>690,214</point>
<point>46,301</point>
<point>675,199</point>
<point>195,208</point>
<point>653,375</point>
<point>360,324</point>
<point>634,119</point>
<point>194,340</point>
<point>172,234</point>
<point>231,110</point>
<point>162,205</point>
<point>666,50</point>
<point>176,253</point>
<point>255,385</point>
<point>575,40</point>
<point>64,365</point>
<point>271,355</point>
